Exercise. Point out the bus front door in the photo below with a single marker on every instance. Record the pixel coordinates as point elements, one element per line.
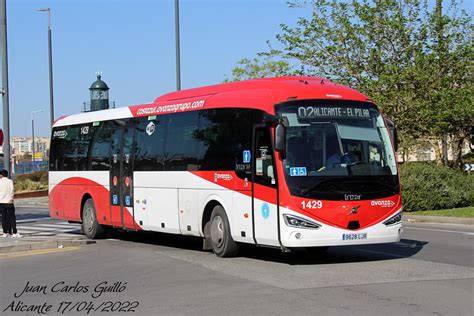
<point>121,178</point>
<point>265,206</point>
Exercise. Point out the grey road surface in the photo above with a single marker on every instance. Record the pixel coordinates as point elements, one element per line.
<point>430,272</point>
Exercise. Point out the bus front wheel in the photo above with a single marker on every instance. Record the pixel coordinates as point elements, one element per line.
<point>90,226</point>
<point>221,240</point>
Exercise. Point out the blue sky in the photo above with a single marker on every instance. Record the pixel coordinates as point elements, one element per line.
<point>133,45</point>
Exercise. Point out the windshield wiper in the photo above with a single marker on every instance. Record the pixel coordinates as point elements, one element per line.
<point>382,183</point>
<point>351,164</point>
<point>386,185</point>
<point>314,186</point>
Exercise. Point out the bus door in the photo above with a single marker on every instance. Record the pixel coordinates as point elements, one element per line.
<point>265,206</point>
<point>121,178</point>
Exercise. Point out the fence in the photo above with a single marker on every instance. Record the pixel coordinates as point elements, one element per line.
<point>27,167</point>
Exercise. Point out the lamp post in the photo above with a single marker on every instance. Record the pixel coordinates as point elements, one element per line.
<point>4,91</point>
<point>178,58</point>
<point>50,59</point>
<point>33,134</point>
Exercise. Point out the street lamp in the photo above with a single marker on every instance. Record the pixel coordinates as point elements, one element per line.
<point>4,90</point>
<point>50,58</point>
<point>33,134</point>
<point>178,58</point>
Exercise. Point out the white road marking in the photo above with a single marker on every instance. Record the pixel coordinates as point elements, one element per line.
<point>58,225</point>
<point>32,219</point>
<point>49,229</point>
<point>441,230</point>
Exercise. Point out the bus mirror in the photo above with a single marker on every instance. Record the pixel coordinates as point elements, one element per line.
<point>280,138</point>
<point>269,119</point>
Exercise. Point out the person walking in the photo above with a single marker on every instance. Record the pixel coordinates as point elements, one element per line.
<point>7,207</point>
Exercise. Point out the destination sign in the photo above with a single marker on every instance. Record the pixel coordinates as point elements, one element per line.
<point>308,112</point>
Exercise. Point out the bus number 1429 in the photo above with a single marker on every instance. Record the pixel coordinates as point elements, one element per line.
<point>311,204</point>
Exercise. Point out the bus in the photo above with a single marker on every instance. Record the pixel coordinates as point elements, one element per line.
<point>287,162</point>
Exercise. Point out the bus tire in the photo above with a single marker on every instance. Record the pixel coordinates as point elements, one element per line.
<point>90,226</point>
<point>221,240</point>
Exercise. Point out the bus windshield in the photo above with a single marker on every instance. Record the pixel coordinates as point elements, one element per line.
<point>337,149</point>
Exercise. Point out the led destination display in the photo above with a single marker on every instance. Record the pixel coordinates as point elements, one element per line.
<point>309,112</point>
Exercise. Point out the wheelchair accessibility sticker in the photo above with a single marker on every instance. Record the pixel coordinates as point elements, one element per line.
<point>246,156</point>
<point>298,171</point>
<point>265,210</point>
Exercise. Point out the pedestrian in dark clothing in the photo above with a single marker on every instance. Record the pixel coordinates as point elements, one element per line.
<point>7,207</point>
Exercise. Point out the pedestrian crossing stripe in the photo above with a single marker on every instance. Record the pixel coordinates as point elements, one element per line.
<point>58,229</point>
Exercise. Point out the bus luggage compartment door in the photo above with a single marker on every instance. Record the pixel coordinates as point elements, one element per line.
<point>188,213</point>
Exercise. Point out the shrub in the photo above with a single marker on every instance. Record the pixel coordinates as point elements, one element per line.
<point>39,176</point>
<point>28,185</point>
<point>31,182</point>
<point>427,186</point>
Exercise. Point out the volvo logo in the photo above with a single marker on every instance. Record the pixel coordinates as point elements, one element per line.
<point>354,210</point>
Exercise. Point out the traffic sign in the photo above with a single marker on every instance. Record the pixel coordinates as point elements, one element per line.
<point>469,167</point>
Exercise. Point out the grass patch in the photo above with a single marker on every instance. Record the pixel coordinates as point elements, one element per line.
<point>453,212</point>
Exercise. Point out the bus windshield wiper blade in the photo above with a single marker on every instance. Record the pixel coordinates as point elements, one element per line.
<point>379,182</point>
<point>386,185</point>
<point>314,186</point>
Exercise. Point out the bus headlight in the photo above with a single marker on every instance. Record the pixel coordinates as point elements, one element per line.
<point>395,219</point>
<point>298,222</point>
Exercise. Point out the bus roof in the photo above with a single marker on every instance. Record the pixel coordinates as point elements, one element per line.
<point>260,94</point>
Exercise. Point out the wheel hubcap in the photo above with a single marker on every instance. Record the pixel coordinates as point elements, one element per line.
<point>217,231</point>
<point>88,219</point>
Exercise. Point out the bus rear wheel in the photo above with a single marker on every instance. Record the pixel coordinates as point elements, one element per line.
<point>90,226</point>
<point>221,240</point>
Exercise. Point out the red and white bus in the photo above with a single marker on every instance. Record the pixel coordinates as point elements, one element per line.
<point>281,162</point>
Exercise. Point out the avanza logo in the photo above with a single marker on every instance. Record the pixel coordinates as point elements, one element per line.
<point>382,203</point>
<point>60,134</point>
<point>222,176</point>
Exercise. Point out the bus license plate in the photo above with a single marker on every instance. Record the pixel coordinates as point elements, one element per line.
<point>358,236</point>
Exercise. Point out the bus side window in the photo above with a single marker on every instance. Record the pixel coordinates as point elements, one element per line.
<point>224,135</point>
<point>264,167</point>
<point>58,146</point>
<point>99,150</point>
<point>181,142</point>
<point>150,138</point>
<point>70,149</point>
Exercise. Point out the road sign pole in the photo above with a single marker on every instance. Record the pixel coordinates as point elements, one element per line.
<point>5,91</point>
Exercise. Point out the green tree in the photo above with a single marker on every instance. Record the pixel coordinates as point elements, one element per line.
<point>414,61</point>
<point>266,65</point>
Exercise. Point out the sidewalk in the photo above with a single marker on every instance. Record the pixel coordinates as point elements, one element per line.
<point>8,245</point>
<point>437,219</point>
